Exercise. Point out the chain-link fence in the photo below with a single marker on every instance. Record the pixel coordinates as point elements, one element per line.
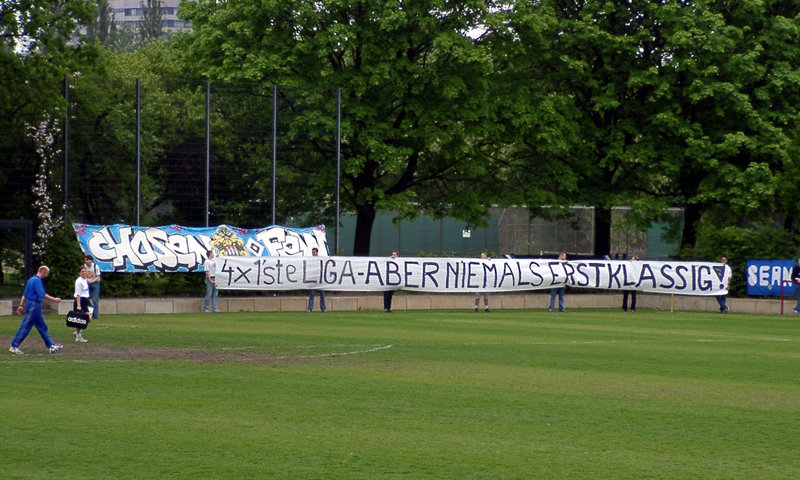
<point>197,154</point>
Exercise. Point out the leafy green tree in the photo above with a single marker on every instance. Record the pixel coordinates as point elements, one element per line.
<point>102,28</point>
<point>536,139</point>
<point>34,58</point>
<point>124,37</point>
<point>733,111</point>
<point>173,150</point>
<point>152,25</point>
<point>686,104</point>
<point>414,95</point>
<point>37,49</point>
<point>103,135</point>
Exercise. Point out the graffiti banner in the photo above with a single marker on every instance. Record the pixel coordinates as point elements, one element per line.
<point>124,248</point>
<point>456,275</point>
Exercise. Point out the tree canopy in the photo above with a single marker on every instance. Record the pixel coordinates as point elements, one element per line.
<point>689,104</point>
<point>447,108</point>
<point>414,92</point>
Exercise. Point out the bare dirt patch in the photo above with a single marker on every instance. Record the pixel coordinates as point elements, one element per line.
<point>33,346</point>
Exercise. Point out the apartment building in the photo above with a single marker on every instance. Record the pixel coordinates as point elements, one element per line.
<point>129,12</point>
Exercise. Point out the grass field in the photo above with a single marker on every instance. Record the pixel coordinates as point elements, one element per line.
<point>421,395</point>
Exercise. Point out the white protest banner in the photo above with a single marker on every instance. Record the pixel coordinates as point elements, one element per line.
<point>462,275</point>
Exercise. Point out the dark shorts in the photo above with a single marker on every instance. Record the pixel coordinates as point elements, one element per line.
<point>84,304</point>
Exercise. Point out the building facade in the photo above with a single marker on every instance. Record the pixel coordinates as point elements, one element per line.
<point>130,13</point>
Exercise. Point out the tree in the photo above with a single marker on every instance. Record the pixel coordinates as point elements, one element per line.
<point>152,25</point>
<point>414,88</point>
<point>103,141</point>
<point>684,104</point>
<point>102,28</point>
<point>36,52</point>
<point>173,150</point>
<point>732,111</point>
<point>34,57</point>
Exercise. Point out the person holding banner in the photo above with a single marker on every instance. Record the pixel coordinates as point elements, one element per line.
<point>388,294</point>
<point>632,294</point>
<point>484,294</point>
<point>796,281</point>
<point>212,293</point>
<point>558,291</point>
<point>93,278</point>
<point>314,253</point>
<point>722,299</point>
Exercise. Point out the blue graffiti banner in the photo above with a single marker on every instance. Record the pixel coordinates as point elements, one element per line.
<point>173,248</point>
<point>766,277</point>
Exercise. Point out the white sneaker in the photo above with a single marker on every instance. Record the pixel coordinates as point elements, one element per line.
<point>16,351</point>
<point>55,348</point>
<point>79,338</point>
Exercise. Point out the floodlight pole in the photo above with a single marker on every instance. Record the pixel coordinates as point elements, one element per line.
<point>66,148</point>
<point>208,150</point>
<point>274,146</point>
<point>138,151</point>
<point>338,164</point>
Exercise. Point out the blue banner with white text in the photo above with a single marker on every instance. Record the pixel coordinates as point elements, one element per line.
<point>766,277</point>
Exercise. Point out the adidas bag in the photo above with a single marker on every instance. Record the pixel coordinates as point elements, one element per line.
<point>77,319</point>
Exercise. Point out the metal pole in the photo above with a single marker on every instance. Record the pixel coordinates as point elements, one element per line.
<point>274,146</point>
<point>338,163</point>
<point>29,268</point>
<point>208,150</point>
<point>66,148</point>
<point>138,151</point>
<point>672,303</point>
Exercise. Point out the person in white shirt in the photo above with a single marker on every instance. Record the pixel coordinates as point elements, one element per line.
<point>210,267</point>
<point>94,277</point>
<point>484,294</point>
<point>558,292</point>
<point>322,307</point>
<point>81,302</point>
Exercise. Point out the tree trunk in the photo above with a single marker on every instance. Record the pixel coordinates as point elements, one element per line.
<point>602,231</point>
<point>691,217</point>
<point>365,218</point>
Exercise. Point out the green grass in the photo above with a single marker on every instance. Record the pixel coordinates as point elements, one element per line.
<point>425,395</point>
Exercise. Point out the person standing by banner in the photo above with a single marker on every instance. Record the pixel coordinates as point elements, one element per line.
<point>210,268</point>
<point>723,299</point>
<point>31,305</point>
<point>796,281</point>
<point>484,294</point>
<point>558,291</point>
<point>81,302</point>
<point>93,277</point>
<point>632,294</point>
<point>388,294</point>
<point>314,253</point>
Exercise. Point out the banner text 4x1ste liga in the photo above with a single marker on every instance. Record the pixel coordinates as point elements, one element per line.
<point>460,275</point>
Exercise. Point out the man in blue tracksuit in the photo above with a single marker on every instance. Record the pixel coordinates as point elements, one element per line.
<point>31,305</point>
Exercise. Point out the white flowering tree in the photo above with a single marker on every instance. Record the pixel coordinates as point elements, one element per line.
<point>44,138</point>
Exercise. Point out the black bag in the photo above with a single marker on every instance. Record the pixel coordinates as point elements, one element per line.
<point>77,319</point>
